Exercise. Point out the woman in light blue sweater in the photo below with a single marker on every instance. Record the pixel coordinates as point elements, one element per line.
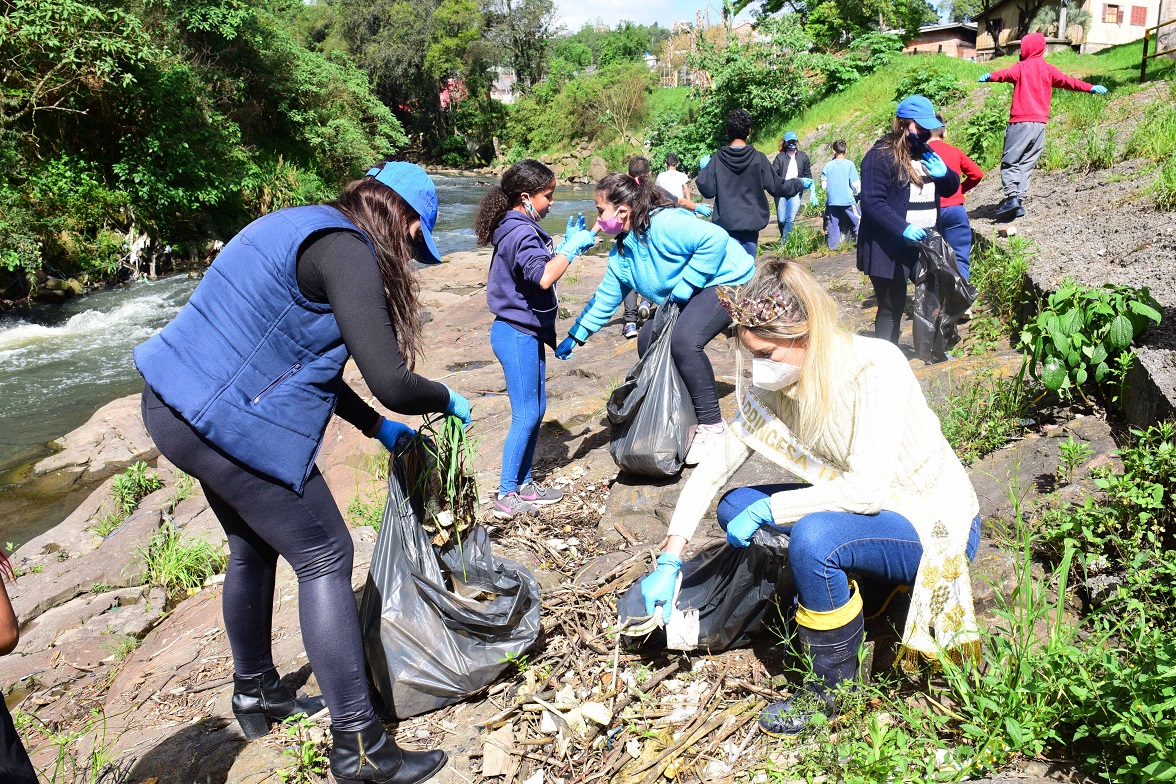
<point>663,252</point>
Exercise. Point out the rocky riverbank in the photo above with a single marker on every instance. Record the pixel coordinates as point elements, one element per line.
<point>99,641</point>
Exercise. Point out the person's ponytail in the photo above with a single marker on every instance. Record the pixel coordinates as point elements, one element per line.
<point>526,176</point>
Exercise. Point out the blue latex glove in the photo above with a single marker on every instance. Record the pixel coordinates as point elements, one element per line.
<point>658,587</point>
<point>575,242</point>
<point>682,292</point>
<point>813,200</point>
<point>746,523</point>
<point>808,182</point>
<point>565,348</point>
<point>935,165</point>
<point>914,233</point>
<point>703,210</point>
<point>390,432</point>
<point>985,78</point>
<point>1098,89</point>
<point>703,161</point>
<point>458,407</point>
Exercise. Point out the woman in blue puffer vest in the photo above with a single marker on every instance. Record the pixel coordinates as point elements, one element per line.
<point>240,388</point>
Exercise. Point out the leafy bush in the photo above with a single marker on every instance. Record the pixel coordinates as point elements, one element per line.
<point>133,485</point>
<point>999,276</point>
<point>980,415</point>
<point>981,136</point>
<point>179,563</point>
<point>1083,334</point>
<point>939,87</point>
<point>453,152</point>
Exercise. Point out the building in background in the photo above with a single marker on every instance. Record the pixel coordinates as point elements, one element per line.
<point>1118,22</point>
<point>954,39</point>
<point>502,89</point>
<point>1108,24</point>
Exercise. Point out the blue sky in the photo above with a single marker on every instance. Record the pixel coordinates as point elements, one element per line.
<point>574,13</point>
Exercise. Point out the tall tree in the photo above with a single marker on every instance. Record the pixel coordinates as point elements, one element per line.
<point>523,29</point>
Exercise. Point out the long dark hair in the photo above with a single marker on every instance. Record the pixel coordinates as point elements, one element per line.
<point>526,176</point>
<point>900,148</point>
<point>380,213</point>
<point>642,198</point>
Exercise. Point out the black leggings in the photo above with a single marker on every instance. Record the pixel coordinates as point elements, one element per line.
<point>700,321</point>
<point>892,296</point>
<point>263,519</point>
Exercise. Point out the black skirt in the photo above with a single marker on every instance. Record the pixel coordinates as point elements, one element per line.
<point>15,767</point>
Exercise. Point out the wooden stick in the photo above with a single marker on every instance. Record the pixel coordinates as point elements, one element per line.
<point>624,532</point>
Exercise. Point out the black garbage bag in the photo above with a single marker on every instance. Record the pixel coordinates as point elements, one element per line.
<point>941,298</point>
<point>732,589</point>
<point>439,623</point>
<point>651,413</point>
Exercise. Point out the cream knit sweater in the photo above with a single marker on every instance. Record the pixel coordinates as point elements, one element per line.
<point>884,440</point>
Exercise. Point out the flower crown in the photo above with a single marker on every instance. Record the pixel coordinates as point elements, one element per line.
<point>747,312</point>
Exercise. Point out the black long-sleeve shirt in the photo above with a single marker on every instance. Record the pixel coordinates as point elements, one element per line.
<point>339,269</point>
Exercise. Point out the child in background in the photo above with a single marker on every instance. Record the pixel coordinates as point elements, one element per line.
<point>15,767</point>
<point>953,218</point>
<point>521,294</point>
<point>1033,81</point>
<point>839,178</point>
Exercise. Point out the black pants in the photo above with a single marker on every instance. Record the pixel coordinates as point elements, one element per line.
<point>701,319</point>
<point>892,295</point>
<point>15,767</point>
<point>631,315</point>
<point>263,519</point>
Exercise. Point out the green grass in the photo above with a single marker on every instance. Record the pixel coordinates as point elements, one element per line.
<point>180,563</point>
<point>978,415</point>
<point>998,273</point>
<point>121,646</point>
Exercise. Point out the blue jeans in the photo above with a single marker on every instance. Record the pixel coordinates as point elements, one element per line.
<point>839,219</point>
<point>524,361</point>
<point>823,546</point>
<point>954,226</point>
<point>786,211</point>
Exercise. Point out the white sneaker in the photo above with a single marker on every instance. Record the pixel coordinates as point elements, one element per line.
<point>706,437</point>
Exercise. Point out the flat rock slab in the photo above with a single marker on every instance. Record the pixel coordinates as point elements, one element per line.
<point>113,438</point>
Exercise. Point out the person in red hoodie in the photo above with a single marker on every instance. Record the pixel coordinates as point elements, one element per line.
<point>953,218</point>
<point>1033,82</point>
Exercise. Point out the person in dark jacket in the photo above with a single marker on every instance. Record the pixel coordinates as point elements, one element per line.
<point>15,766</point>
<point>902,182</point>
<point>240,388</point>
<point>736,178</point>
<point>791,162</point>
<point>520,292</point>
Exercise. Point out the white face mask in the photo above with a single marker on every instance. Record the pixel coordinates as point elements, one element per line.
<point>772,375</point>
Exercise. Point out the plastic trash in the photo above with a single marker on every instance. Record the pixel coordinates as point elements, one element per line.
<point>651,413</point>
<point>725,593</point>
<point>439,623</point>
<point>941,298</point>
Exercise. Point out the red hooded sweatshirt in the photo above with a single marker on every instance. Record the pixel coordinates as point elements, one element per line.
<point>1034,79</point>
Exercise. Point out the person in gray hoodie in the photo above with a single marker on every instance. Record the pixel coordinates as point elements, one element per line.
<point>737,177</point>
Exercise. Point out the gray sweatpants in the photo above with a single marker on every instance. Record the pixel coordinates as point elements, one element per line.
<point>1023,144</point>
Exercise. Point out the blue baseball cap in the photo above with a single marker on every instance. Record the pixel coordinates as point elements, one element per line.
<point>412,184</point>
<point>920,110</point>
<point>791,137</point>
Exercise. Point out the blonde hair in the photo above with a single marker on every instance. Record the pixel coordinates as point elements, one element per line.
<point>805,311</point>
<point>896,142</point>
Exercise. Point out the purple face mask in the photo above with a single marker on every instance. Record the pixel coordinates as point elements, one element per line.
<point>613,225</point>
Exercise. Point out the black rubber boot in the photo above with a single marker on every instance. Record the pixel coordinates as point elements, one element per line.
<point>1009,207</point>
<point>371,755</point>
<point>262,701</point>
<point>834,658</point>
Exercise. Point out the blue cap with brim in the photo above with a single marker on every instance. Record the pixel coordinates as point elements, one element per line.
<point>920,110</point>
<point>412,184</point>
<point>791,137</point>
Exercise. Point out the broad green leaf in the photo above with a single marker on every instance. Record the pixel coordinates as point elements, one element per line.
<point>1053,374</point>
<point>1145,310</point>
<point>1121,333</point>
<point>1072,321</point>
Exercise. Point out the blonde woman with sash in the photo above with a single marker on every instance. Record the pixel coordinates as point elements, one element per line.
<point>885,496</point>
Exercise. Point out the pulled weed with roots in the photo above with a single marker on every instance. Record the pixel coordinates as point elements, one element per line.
<point>449,483</point>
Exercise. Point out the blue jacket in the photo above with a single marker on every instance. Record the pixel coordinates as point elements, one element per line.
<point>882,251</point>
<point>521,252</point>
<point>678,246</point>
<point>249,362</point>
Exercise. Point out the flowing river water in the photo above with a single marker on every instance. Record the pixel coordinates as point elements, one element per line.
<point>60,363</point>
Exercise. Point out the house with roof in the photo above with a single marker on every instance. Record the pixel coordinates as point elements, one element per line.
<point>1110,24</point>
<point>954,39</point>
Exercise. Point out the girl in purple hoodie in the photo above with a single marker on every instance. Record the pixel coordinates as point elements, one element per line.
<point>520,292</point>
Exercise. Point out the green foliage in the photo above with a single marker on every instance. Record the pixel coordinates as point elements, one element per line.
<point>132,485</point>
<point>1081,332</point>
<point>939,87</point>
<point>121,646</point>
<point>865,55</point>
<point>802,241</point>
<point>980,414</point>
<point>306,754</point>
<point>180,563</point>
<point>627,43</point>
<point>1071,455</point>
<point>366,507</point>
<point>1163,190</point>
<point>999,276</point>
<point>981,136</point>
<point>82,755</point>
